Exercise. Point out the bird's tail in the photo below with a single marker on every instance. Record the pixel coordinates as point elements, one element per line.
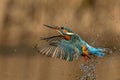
<point>102,51</point>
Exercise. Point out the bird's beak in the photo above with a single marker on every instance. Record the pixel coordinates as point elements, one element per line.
<point>52,27</point>
<point>58,29</point>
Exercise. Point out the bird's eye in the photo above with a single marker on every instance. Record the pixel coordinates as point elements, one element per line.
<point>62,27</point>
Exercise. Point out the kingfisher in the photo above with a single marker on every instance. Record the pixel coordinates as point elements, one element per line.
<point>68,45</point>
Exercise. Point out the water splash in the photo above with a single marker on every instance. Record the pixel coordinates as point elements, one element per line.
<point>88,71</point>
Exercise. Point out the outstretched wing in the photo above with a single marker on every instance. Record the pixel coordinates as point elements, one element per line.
<point>53,38</point>
<point>60,49</point>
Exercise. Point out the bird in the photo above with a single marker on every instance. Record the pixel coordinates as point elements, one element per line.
<point>68,45</point>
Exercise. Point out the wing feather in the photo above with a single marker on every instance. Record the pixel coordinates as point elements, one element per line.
<point>60,49</point>
<point>53,38</point>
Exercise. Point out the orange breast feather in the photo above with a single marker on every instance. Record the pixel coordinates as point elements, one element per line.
<point>67,37</point>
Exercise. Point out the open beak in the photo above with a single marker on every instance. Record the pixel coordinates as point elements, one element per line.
<point>52,27</point>
<point>58,29</point>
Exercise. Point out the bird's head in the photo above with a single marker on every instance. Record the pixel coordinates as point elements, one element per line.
<point>65,31</point>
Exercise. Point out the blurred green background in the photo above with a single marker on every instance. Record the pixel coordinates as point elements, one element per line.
<point>21,26</point>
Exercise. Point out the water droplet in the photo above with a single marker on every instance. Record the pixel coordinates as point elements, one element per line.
<point>88,70</point>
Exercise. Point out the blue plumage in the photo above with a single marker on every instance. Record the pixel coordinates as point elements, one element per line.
<point>92,50</point>
<point>69,46</point>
